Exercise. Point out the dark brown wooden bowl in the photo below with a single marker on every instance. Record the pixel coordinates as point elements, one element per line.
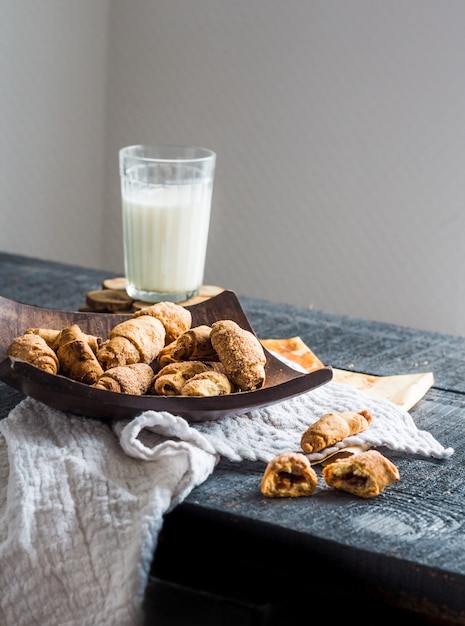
<point>59,392</point>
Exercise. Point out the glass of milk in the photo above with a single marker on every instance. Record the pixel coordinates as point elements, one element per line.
<point>166,200</point>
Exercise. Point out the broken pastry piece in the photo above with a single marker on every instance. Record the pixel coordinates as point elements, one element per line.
<point>76,357</point>
<point>34,349</point>
<point>332,428</point>
<point>289,475</point>
<point>210,383</point>
<point>170,380</point>
<point>134,379</point>
<point>365,475</point>
<point>175,318</point>
<point>136,340</point>
<point>240,353</point>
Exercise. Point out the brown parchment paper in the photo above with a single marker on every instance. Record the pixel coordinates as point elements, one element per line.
<point>405,390</point>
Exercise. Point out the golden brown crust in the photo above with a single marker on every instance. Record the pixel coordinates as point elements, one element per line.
<point>175,318</point>
<point>134,379</point>
<point>165,356</point>
<point>289,475</point>
<point>77,359</point>
<point>33,349</point>
<point>332,428</point>
<point>170,380</point>
<point>133,341</point>
<point>210,383</point>
<point>241,354</point>
<point>50,335</point>
<point>365,475</point>
<point>119,351</point>
<point>195,345</point>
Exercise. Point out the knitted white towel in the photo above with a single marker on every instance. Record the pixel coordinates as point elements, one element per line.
<point>262,434</point>
<point>79,518</point>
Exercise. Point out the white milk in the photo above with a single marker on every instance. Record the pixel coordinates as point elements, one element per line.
<point>165,233</point>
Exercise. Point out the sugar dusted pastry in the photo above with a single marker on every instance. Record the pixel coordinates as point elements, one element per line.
<point>209,383</point>
<point>76,357</point>
<point>332,428</point>
<point>170,380</point>
<point>195,345</point>
<point>134,379</point>
<point>136,340</point>
<point>240,353</point>
<point>34,349</point>
<point>365,475</point>
<point>175,318</point>
<point>289,475</point>
<point>119,351</point>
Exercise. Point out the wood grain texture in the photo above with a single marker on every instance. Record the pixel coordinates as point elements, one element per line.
<point>404,548</point>
<point>61,392</point>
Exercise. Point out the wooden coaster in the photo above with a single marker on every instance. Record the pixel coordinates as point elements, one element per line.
<point>108,300</point>
<point>113,298</point>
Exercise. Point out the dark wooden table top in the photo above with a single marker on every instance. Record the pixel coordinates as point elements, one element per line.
<point>405,548</point>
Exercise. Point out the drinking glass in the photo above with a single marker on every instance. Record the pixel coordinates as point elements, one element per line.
<point>166,203</point>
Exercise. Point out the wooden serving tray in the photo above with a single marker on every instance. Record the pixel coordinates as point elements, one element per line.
<point>282,382</point>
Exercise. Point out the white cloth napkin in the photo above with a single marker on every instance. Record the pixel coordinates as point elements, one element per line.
<point>81,504</point>
<point>79,519</point>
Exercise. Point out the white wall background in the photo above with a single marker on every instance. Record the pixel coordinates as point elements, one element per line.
<point>339,127</point>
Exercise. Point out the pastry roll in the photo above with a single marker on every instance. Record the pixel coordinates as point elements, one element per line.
<point>50,335</point>
<point>170,380</point>
<point>332,428</point>
<point>240,353</point>
<point>210,383</point>
<point>289,475</point>
<point>165,356</point>
<point>175,318</point>
<point>365,475</point>
<point>134,379</point>
<point>76,357</point>
<point>136,340</point>
<point>195,345</point>
<point>34,349</point>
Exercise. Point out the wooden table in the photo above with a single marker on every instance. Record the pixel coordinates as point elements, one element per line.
<point>227,555</point>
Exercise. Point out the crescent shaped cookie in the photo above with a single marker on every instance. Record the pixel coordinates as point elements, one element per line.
<point>332,428</point>
<point>136,340</point>
<point>76,357</point>
<point>134,379</point>
<point>170,380</point>
<point>195,345</point>
<point>175,318</point>
<point>211,383</point>
<point>240,353</point>
<point>35,350</point>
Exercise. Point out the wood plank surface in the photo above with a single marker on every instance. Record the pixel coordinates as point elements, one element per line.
<point>404,548</point>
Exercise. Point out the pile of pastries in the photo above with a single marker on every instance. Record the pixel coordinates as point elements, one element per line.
<point>156,351</point>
